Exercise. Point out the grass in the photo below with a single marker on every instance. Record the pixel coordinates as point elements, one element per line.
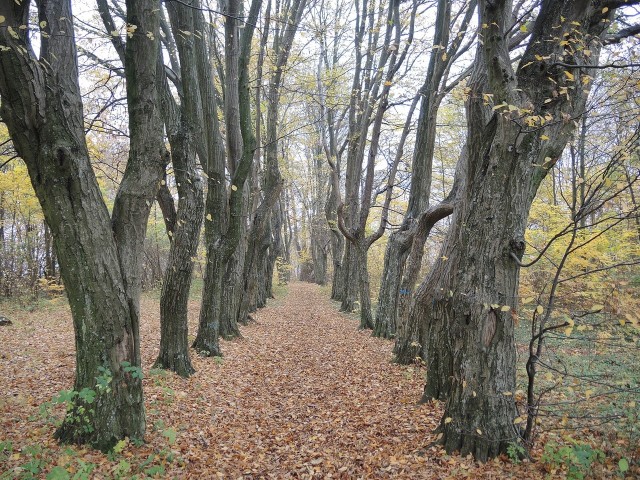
<point>590,384</point>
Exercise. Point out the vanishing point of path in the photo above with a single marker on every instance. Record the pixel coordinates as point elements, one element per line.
<point>304,394</point>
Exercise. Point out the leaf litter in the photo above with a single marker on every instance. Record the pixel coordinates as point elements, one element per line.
<point>303,394</point>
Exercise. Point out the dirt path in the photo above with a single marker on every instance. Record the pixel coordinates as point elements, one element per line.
<point>303,394</point>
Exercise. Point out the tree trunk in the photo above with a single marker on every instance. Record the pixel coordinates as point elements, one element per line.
<point>467,303</point>
<point>394,259</point>
<point>184,128</point>
<point>232,289</point>
<point>225,222</point>
<point>206,342</point>
<point>174,299</point>
<point>396,288</point>
<point>98,256</point>
<point>366,318</point>
<point>350,279</point>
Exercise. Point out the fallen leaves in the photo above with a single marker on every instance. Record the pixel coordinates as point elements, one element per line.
<point>304,394</point>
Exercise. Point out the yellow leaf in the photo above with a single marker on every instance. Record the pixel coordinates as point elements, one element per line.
<point>209,217</point>
<point>518,420</point>
<point>2,18</point>
<point>234,188</point>
<point>448,420</point>
<point>569,75</point>
<point>474,393</point>
<point>527,300</point>
<point>605,9</point>
<point>544,137</point>
<point>549,376</point>
<point>464,384</point>
<point>568,330</point>
<point>539,309</point>
<point>505,308</point>
<point>596,308</point>
<point>507,394</point>
<point>523,28</point>
<point>479,431</point>
<point>444,57</point>
<point>588,393</point>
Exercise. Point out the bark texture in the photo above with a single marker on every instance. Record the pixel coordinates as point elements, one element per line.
<point>98,256</point>
<point>397,286</point>
<point>466,330</point>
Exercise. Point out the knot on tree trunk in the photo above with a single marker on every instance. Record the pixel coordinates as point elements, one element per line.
<point>517,246</point>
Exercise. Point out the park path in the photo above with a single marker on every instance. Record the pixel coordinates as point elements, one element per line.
<point>304,393</point>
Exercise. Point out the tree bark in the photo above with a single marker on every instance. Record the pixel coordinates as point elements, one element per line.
<point>98,256</point>
<point>467,303</point>
<point>225,220</point>
<point>183,126</point>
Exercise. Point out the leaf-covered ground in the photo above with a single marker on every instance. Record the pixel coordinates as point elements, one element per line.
<point>303,394</point>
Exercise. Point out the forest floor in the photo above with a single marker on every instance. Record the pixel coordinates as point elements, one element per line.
<point>304,394</point>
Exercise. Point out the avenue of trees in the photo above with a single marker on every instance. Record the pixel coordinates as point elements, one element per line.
<point>436,162</point>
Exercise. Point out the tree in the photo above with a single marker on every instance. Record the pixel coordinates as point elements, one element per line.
<point>187,140</point>
<point>257,244</point>
<point>465,304</point>
<point>406,245</point>
<point>99,256</point>
<point>223,211</point>
<point>182,225</point>
<point>372,81</point>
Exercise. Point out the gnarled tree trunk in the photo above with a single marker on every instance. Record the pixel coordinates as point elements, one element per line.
<point>467,303</point>
<point>98,256</point>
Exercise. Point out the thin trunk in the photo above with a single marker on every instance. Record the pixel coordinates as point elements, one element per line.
<point>185,137</point>
<point>396,290</point>
<point>174,342</point>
